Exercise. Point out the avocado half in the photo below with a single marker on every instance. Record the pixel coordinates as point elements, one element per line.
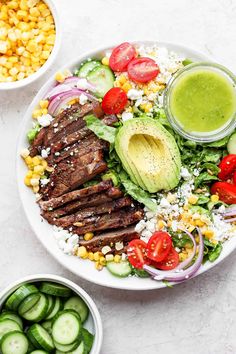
<point>149,154</point>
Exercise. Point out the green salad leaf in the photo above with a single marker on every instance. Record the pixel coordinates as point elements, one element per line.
<point>211,251</point>
<point>32,133</point>
<point>204,177</point>
<point>180,239</point>
<point>100,129</point>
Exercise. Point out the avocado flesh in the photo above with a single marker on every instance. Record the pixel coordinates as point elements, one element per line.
<point>149,154</point>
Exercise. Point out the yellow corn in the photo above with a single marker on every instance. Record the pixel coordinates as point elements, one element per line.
<point>160,224</point>
<point>191,228</point>
<point>35,189</point>
<point>36,113</point>
<point>117,258</point>
<point>215,242</point>
<point>102,261</point>
<point>146,107</point>
<point>24,153</point>
<point>126,86</point>
<point>36,160</point>
<point>193,199</point>
<point>91,256</point>
<point>27,181</point>
<point>43,103</point>
<point>88,236</point>
<point>183,256</point>
<point>199,223</point>
<point>105,61</point>
<point>122,79</point>
<point>39,169</point>
<point>214,198</point>
<point>98,266</point>
<point>208,233</point>
<point>28,160</point>
<point>82,252</point>
<point>97,256</point>
<point>60,77</point>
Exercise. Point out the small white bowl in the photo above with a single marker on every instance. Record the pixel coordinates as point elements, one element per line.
<point>28,80</point>
<point>93,323</point>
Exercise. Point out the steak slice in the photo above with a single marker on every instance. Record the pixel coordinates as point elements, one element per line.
<point>75,195</point>
<point>114,220</point>
<point>110,238</point>
<point>88,201</point>
<point>37,143</point>
<point>80,215</point>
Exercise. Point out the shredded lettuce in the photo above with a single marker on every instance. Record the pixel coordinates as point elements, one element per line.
<point>100,129</point>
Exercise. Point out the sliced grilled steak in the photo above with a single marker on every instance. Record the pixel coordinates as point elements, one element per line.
<point>75,195</point>
<point>110,238</point>
<point>88,201</point>
<point>110,119</point>
<point>117,219</point>
<point>36,146</point>
<point>109,207</point>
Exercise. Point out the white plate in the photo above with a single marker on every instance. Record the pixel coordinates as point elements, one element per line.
<point>44,232</point>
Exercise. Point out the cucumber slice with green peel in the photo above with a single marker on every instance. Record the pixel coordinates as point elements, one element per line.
<point>31,348</point>
<point>231,146</point>
<point>38,352</point>
<point>54,289</point>
<point>85,68</point>
<point>14,343</point>
<point>28,303</point>
<point>11,316</point>
<point>88,339</point>
<point>66,348</point>
<point>8,325</point>
<point>77,304</point>
<point>40,338</point>
<point>103,79</point>
<point>19,295</point>
<point>66,327</point>
<point>47,325</point>
<point>80,349</point>
<point>121,270</point>
<point>38,311</point>
<point>57,307</point>
<point>51,304</point>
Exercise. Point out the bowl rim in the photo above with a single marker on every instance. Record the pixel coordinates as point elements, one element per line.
<point>201,137</point>
<point>117,283</point>
<point>4,86</point>
<point>98,328</point>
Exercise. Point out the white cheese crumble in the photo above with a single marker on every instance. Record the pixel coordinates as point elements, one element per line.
<point>45,120</point>
<point>126,116</point>
<point>134,94</point>
<point>82,84</point>
<point>83,99</point>
<point>45,153</point>
<point>66,240</point>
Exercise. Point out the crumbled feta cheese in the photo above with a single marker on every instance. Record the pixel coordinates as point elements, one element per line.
<point>24,153</point>
<point>106,249</point>
<point>184,173</point>
<point>119,246</point>
<point>45,153</point>
<point>45,120</point>
<point>109,257</point>
<point>73,240</point>
<point>126,116</point>
<point>82,84</point>
<point>44,181</point>
<point>123,256</point>
<point>83,99</point>
<point>140,226</point>
<point>164,203</point>
<point>134,94</point>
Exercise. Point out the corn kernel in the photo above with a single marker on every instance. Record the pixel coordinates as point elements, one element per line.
<point>44,163</point>
<point>183,256</point>
<point>102,261</point>
<point>105,61</point>
<point>91,256</point>
<point>28,160</point>
<point>35,189</point>
<point>215,242</point>
<point>191,228</point>
<point>88,236</point>
<point>98,266</point>
<point>82,252</point>
<point>117,258</point>
<point>96,256</point>
<point>122,79</point>
<point>193,199</point>
<point>29,174</point>
<point>126,87</point>
<point>43,103</point>
<point>59,77</point>
<point>208,233</point>
<point>24,153</point>
<point>214,198</point>
<point>39,169</point>
<point>199,223</point>
<point>160,224</point>
<point>36,160</point>
<point>34,182</point>
<point>36,113</point>
<point>27,181</point>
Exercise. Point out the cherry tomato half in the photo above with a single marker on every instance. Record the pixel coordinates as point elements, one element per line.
<point>234,178</point>
<point>159,246</point>
<point>114,101</point>
<point>143,69</point>
<point>137,253</point>
<point>170,262</point>
<point>227,167</point>
<point>121,56</point>
<point>225,191</point>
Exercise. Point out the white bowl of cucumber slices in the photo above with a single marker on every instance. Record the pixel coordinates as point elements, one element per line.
<point>45,313</point>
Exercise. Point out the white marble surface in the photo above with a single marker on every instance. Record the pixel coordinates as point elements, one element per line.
<point>197,317</point>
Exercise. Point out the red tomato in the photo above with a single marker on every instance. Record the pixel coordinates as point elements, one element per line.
<point>137,253</point>
<point>121,56</point>
<point>234,178</point>
<point>227,167</point>
<point>170,262</point>
<point>225,191</point>
<point>114,101</point>
<point>159,246</point>
<point>143,69</point>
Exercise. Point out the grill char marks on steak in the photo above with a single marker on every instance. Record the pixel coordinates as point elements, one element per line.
<point>72,173</point>
<point>85,202</point>
<point>122,218</point>
<point>82,214</point>
<point>75,195</point>
<point>110,238</point>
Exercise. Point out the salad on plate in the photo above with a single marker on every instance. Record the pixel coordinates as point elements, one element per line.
<point>122,185</point>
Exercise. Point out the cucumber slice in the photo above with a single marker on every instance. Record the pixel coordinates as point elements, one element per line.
<point>54,289</point>
<point>231,146</point>
<point>51,304</point>
<point>77,304</point>
<point>8,326</point>
<point>31,348</point>
<point>88,339</point>
<point>28,303</point>
<point>40,337</point>
<point>14,343</point>
<point>48,326</point>
<point>66,327</point>
<point>57,307</point>
<point>38,312</point>
<point>80,349</point>
<point>85,68</point>
<point>103,78</point>
<point>66,348</point>
<point>122,269</point>
<point>19,295</point>
<point>11,316</point>
<point>38,352</point>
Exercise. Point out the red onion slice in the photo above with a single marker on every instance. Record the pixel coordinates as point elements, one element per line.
<point>74,81</point>
<point>179,275</point>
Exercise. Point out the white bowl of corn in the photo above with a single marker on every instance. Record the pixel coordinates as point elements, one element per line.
<point>29,41</point>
